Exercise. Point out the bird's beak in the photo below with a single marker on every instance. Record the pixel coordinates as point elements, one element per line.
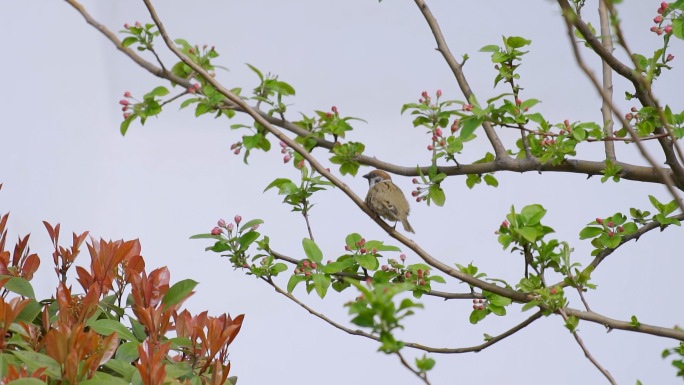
<point>367,176</point>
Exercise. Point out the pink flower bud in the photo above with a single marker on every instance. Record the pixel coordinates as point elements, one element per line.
<point>402,257</point>
<point>126,115</point>
<point>629,116</point>
<point>659,32</point>
<point>634,109</point>
<point>599,221</point>
<point>221,223</point>
<point>282,144</point>
<point>126,26</point>
<point>611,224</point>
<point>363,250</point>
<point>518,101</point>
<point>127,94</point>
<point>654,29</point>
<point>430,147</point>
<point>664,5</point>
<point>658,19</point>
<point>300,164</point>
<point>305,263</point>
<point>334,109</point>
<point>468,107</point>
<point>438,132</point>
<point>670,57</point>
<point>346,247</point>
<point>439,93</point>
<point>230,227</point>
<point>415,193</point>
<point>237,219</point>
<point>216,231</point>
<point>504,224</point>
<point>313,265</point>
<point>424,94</point>
<point>415,180</point>
<point>237,151</point>
<point>124,102</point>
<point>668,29</point>
<point>137,24</point>
<point>287,158</point>
<point>384,267</point>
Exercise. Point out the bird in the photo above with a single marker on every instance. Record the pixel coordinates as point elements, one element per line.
<point>386,199</point>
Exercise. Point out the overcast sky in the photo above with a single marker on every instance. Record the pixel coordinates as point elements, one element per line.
<point>64,160</point>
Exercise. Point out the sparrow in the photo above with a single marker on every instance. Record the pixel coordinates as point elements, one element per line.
<point>386,199</point>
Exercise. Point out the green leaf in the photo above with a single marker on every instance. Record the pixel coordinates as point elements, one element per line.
<point>590,232</point>
<point>250,224</point>
<point>127,352</point>
<point>352,239</point>
<point>127,122</point>
<point>477,316</point>
<point>19,285</point>
<point>312,251</point>
<point>517,42</point>
<point>437,195</point>
<point>102,378</point>
<point>490,48</point>
<point>106,327</point>
<point>129,40</point>
<point>158,91</point>
<point>532,214</point>
<point>294,281</point>
<point>321,284</point>
<point>247,239</point>
<point>498,300</point>
<point>529,233</point>
<point>490,180</point>
<point>256,71</point>
<point>336,267</point>
<point>178,292</point>
<point>468,126</point>
<point>35,360</point>
<point>367,261</point>
<point>678,28</point>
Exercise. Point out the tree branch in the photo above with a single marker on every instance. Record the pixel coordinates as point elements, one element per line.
<point>606,112</point>
<point>457,69</point>
<point>587,353</point>
<point>571,19</point>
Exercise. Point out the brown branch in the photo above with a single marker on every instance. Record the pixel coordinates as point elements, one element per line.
<point>357,277</point>
<point>606,112</point>
<point>421,375</point>
<point>611,323</point>
<point>666,178</point>
<point>412,345</point>
<point>457,69</point>
<point>633,236</point>
<point>587,354</point>
<point>666,145</point>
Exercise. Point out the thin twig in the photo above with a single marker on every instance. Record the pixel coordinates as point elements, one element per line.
<point>606,112</point>
<point>419,374</point>
<point>591,358</point>
<point>433,293</point>
<point>412,345</point>
<point>457,69</point>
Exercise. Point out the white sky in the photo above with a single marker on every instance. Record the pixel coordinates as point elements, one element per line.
<point>63,160</point>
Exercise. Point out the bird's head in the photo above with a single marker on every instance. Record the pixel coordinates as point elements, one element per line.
<point>377,176</point>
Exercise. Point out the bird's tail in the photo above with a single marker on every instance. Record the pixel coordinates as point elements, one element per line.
<point>407,226</point>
